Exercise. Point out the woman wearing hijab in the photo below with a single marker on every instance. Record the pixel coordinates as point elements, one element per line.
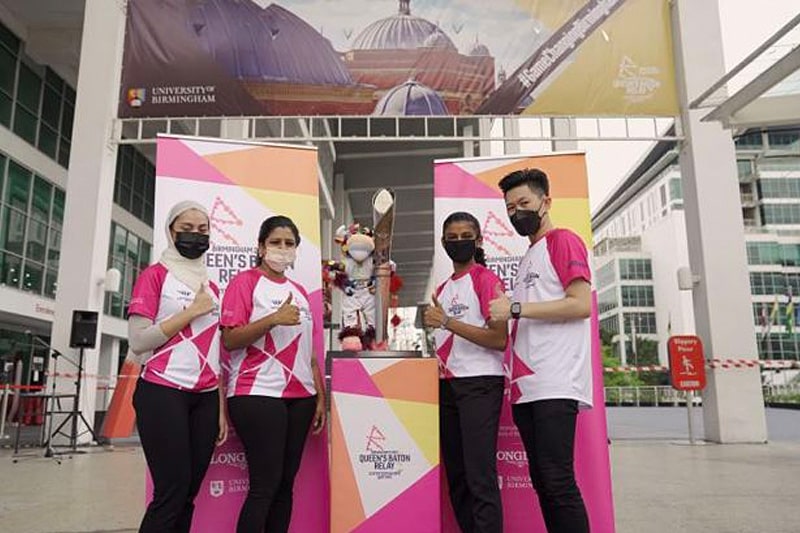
<point>173,328</point>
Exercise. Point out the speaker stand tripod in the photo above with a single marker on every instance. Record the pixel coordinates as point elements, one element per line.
<point>74,417</point>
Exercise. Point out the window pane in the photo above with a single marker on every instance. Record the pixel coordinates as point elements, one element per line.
<point>10,270</point>
<point>12,231</point>
<point>8,71</point>
<point>144,256</point>
<point>63,153</point>
<point>53,80</point>
<point>51,107</point>
<point>5,110</point>
<point>58,209</point>
<point>29,88</point>
<point>53,249</point>
<point>2,170</point>
<point>48,140</point>
<point>33,278</point>
<point>19,183</point>
<point>8,38</point>
<point>42,194</point>
<point>120,242</point>
<point>67,114</point>
<point>25,124</point>
<point>37,241</point>
<point>50,283</point>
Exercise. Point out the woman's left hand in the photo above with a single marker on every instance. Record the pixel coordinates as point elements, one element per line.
<point>319,417</point>
<point>222,436</point>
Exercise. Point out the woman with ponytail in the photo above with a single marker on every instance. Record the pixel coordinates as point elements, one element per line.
<point>470,350</point>
<point>173,331</point>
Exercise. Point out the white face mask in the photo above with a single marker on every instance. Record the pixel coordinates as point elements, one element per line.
<point>359,255</point>
<point>280,259</point>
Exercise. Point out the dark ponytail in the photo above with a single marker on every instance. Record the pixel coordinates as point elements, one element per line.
<point>480,256</point>
<point>462,216</point>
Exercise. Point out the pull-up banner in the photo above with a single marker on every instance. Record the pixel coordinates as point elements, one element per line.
<point>472,184</point>
<point>397,58</point>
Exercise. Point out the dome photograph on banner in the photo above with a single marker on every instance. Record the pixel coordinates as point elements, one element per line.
<point>316,57</point>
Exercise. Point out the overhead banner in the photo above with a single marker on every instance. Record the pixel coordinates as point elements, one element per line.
<point>397,58</point>
<point>241,184</point>
<point>473,182</point>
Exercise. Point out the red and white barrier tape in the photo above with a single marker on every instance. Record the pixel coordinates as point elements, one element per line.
<point>773,364</point>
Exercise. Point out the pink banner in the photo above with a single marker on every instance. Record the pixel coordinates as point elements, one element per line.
<point>473,182</point>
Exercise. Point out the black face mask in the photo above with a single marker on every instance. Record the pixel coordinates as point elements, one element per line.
<point>461,251</point>
<point>526,222</point>
<point>191,245</point>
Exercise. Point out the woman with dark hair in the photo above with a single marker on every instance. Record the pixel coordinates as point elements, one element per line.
<point>470,349</point>
<point>173,331</point>
<point>275,388</point>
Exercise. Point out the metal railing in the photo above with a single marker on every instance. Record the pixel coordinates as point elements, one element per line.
<point>656,396</point>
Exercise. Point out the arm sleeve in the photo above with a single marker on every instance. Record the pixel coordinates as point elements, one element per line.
<point>146,295</point>
<point>237,304</point>
<point>143,335</point>
<point>486,287</point>
<point>569,257</point>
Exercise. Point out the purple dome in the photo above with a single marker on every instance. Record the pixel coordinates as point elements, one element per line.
<point>411,99</point>
<point>271,44</point>
<point>402,31</point>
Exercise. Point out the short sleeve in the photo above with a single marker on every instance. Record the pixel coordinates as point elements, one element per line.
<point>487,285</point>
<point>237,304</point>
<point>146,294</point>
<point>569,257</point>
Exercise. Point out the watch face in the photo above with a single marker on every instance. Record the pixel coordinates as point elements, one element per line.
<point>516,308</point>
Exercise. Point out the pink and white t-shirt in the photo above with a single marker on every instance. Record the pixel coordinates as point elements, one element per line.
<point>551,359</point>
<point>189,360</point>
<point>466,298</point>
<point>279,363</point>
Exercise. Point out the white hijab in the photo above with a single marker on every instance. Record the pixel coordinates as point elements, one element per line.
<point>191,272</point>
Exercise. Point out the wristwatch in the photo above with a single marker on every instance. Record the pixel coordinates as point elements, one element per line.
<point>516,310</point>
<point>444,323</point>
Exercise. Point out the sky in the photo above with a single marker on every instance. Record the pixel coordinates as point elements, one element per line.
<point>745,25</point>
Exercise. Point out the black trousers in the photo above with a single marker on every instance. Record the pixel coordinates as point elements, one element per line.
<point>178,430</point>
<point>273,431</point>
<point>547,428</point>
<point>469,418</point>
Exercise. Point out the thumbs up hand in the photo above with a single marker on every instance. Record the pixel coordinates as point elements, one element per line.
<point>435,316</point>
<point>500,307</point>
<point>203,303</point>
<point>287,314</point>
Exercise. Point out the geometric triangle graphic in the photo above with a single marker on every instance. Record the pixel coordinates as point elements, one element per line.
<point>421,420</point>
<point>415,510</point>
<point>413,380</point>
<point>345,501</point>
<point>177,160</point>
<point>381,474</point>
<point>351,376</point>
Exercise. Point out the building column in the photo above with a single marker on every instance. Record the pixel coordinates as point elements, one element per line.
<point>90,190</point>
<point>564,127</point>
<point>733,406</point>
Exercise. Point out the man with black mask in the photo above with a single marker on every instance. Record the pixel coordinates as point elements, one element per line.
<point>550,337</point>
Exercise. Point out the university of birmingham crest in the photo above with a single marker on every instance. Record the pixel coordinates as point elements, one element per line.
<point>216,488</point>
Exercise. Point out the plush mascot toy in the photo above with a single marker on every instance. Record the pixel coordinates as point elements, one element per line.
<point>355,276</point>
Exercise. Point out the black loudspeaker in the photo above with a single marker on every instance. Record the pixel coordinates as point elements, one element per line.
<point>84,329</point>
